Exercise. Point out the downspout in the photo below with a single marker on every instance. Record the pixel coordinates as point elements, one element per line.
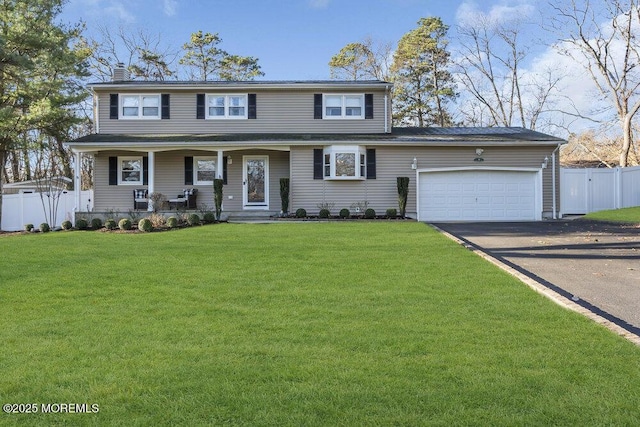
<point>386,110</point>
<point>553,180</point>
<point>96,112</point>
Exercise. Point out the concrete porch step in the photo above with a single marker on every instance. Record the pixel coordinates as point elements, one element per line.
<point>249,216</point>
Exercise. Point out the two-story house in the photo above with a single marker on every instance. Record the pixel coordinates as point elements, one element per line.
<point>333,139</point>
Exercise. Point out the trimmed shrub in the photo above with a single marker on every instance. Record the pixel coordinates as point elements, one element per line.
<point>124,224</point>
<point>110,224</point>
<point>392,213</point>
<point>172,222</point>
<point>324,213</point>
<point>370,213</point>
<point>145,225</point>
<point>193,219</point>
<point>66,225</point>
<point>44,227</point>
<point>284,194</point>
<point>403,193</point>
<point>96,223</point>
<point>209,217</point>
<point>301,213</point>
<point>218,186</point>
<point>81,224</point>
<point>28,227</point>
<point>345,213</point>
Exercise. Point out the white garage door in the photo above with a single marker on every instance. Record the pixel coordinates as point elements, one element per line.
<point>478,196</point>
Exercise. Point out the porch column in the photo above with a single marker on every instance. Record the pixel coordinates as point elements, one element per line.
<point>77,180</point>
<point>220,165</point>
<point>151,173</point>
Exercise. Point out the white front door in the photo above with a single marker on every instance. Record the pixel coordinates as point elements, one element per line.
<point>255,180</point>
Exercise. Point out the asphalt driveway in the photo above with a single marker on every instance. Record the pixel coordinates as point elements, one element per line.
<point>595,264</point>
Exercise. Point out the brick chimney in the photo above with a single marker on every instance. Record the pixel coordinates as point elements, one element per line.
<point>120,73</point>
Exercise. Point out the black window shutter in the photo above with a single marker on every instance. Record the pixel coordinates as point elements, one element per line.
<point>371,163</point>
<point>113,171</point>
<point>318,163</point>
<point>145,170</point>
<point>224,170</point>
<point>164,102</point>
<point>113,106</point>
<point>252,113</point>
<point>200,106</point>
<point>188,170</point>
<point>317,105</point>
<point>368,106</point>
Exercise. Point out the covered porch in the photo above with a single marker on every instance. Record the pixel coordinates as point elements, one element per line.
<point>129,179</point>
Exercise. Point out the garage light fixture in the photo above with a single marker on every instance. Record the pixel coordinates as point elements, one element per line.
<point>479,151</point>
<point>414,164</point>
<point>545,163</point>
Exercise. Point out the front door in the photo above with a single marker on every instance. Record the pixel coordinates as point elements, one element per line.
<point>255,181</point>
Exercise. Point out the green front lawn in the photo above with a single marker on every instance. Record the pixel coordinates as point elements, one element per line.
<point>626,215</point>
<point>358,323</point>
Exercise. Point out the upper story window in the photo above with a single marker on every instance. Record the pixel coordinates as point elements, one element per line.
<point>343,106</point>
<point>204,170</point>
<point>130,170</point>
<point>140,106</point>
<point>226,106</point>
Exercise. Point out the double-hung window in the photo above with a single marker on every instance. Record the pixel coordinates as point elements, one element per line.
<point>204,170</point>
<point>140,106</point>
<point>343,106</point>
<point>130,170</point>
<point>226,106</point>
<point>345,162</point>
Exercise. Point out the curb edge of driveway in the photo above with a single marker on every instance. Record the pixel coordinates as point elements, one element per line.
<point>542,289</point>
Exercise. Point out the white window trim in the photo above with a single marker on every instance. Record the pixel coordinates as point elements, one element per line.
<point>135,158</point>
<point>121,97</point>
<point>195,169</point>
<point>343,116</point>
<point>226,106</point>
<point>357,150</point>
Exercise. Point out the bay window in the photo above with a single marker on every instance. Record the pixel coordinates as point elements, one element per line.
<point>344,162</point>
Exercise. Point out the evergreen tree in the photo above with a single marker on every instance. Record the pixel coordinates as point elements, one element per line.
<point>423,82</point>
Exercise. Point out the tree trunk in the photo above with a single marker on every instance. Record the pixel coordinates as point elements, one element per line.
<point>626,141</point>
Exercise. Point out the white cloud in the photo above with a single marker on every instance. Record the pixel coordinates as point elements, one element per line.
<point>170,7</point>
<point>120,11</point>
<point>319,4</point>
<point>505,11</point>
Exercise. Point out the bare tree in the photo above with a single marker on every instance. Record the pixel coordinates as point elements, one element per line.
<point>144,54</point>
<point>609,52</point>
<point>490,68</point>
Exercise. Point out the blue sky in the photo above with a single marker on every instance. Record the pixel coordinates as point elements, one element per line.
<point>293,39</point>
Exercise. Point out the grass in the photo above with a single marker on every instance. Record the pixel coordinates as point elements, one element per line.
<point>367,323</point>
<point>625,215</point>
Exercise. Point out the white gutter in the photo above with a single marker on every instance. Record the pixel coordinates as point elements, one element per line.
<point>96,112</point>
<point>386,110</point>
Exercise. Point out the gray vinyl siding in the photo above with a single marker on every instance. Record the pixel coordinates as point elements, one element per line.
<point>277,112</point>
<point>169,179</point>
<point>392,162</point>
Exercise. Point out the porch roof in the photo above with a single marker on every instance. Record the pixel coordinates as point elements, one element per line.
<point>458,136</point>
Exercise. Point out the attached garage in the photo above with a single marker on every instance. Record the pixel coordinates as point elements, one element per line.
<point>502,194</point>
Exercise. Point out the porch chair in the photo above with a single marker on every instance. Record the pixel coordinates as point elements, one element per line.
<point>187,199</point>
<point>140,199</point>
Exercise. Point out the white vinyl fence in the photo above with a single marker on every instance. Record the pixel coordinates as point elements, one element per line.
<point>26,208</point>
<point>589,190</point>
